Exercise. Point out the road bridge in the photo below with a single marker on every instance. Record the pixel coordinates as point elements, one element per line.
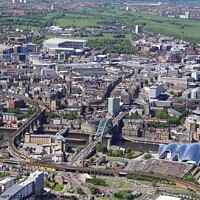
<point>104,127</point>
<point>118,118</point>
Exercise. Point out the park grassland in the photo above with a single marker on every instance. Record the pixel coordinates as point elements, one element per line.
<point>107,17</point>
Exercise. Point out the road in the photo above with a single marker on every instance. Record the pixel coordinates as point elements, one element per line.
<point>144,189</point>
<point>90,146</point>
<point>118,118</point>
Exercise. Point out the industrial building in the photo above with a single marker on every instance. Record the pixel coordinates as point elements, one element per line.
<point>57,139</point>
<point>58,45</point>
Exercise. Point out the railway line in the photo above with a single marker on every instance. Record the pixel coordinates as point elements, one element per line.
<point>12,139</point>
<point>110,172</point>
<point>31,163</point>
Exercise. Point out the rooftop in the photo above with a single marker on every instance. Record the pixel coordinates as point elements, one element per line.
<point>57,136</point>
<point>60,40</point>
<point>165,197</point>
<point>5,180</point>
<point>10,192</point>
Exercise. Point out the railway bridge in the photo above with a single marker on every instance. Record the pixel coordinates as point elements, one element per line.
<point>36,120</point>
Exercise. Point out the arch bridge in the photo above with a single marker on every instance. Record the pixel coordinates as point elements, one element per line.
<point>105,126</point>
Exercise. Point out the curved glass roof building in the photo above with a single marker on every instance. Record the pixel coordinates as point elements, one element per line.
<point>181,153</point>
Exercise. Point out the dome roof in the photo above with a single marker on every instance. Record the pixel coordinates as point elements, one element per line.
<point>182,153</point>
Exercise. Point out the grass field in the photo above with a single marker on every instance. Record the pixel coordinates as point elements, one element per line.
<point>116,159</point>
<point>78,22</point>
<point>118,184</point>
<point>157,24</point>
<point>58,187</point>
<point>107,17</point>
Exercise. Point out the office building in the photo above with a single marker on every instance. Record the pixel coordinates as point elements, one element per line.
<point>33,185</point>
<point>155,91</point>
<point>38,181</point>
<point>138,29</point>
<point>113,106</point>
<point>195,93</point>
<point>125,98</point>
<point>47,72</point>
<point>196,75</point>
<point>187,15</point>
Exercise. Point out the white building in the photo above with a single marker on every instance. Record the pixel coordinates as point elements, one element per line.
<point>47,72</point>
<point>196,75</point>
<point>33,185</point>
<point>38,179</point>
<point>187,15</point>
<point>155,91</point>
<point>113,106</point>
<point>165,197</point>
<point>138,29</point>
<point>195,93</point>
<point>85,177</point>
<point>57,45</point>
<point>6,183</point>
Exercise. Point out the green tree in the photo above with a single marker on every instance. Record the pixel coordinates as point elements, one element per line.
<point>94,190</point>
<point>98,181</point>
<point>16,84</point>
<point>154,183</point>
<point>129,150</point>
<point>110,152</point>
<point>147,156</point>
<point>51,115</point>
<point>46,183</point>
<point>69,149</point>
<point>80,191</point>
<point>162,114</point>
<point>133,116</point>
<point>101,148</point>
<point>118,153</point>
<point>79,148</point>
<point>128,155</point>
<point>69,116</point>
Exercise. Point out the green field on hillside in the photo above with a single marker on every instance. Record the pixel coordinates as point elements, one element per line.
<point>107,17</point>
